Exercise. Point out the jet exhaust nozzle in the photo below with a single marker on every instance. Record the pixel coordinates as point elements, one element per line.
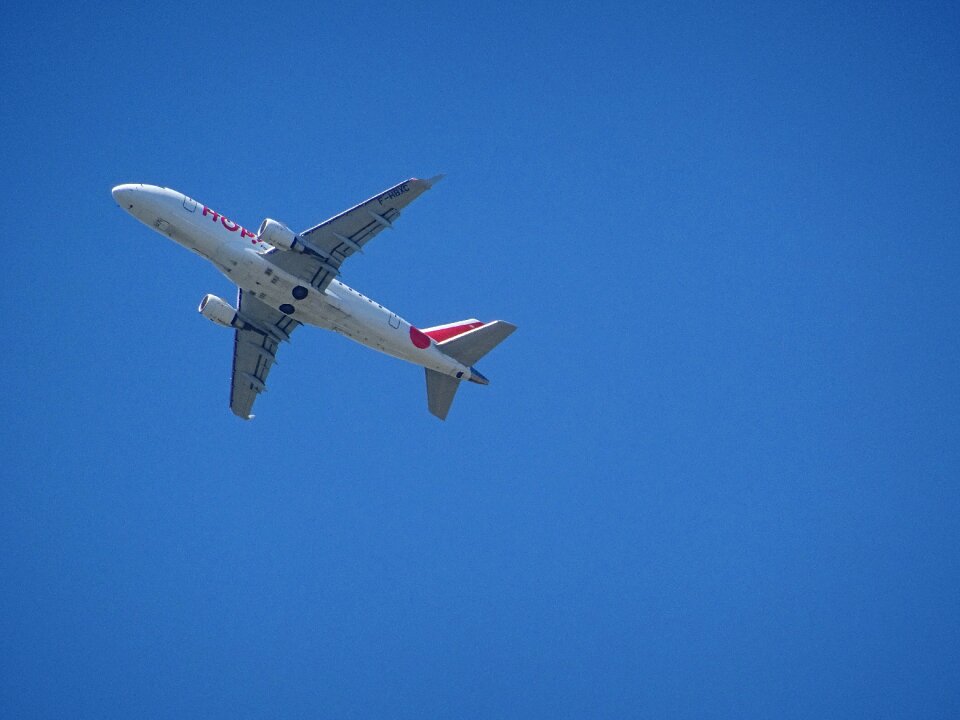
<point>477,377</point>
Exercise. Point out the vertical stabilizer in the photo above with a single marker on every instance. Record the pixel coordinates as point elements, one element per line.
<point>440,391</point>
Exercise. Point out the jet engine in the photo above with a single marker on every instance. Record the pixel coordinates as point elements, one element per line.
<point>218,310</point>
<point>279,235</point>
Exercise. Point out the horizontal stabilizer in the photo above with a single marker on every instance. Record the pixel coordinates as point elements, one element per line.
<point>440,391</point>
<point>474,344</point>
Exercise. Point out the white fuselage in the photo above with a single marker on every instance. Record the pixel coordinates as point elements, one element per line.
<point>241,256</point>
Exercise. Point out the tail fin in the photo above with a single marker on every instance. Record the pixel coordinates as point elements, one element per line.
<point>440,391</point>
<point>466,342</point>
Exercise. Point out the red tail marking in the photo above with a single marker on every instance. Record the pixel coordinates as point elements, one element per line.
<point>446,333</point>
<point>418,338</point>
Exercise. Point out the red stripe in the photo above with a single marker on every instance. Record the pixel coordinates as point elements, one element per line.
<point>447,333</point>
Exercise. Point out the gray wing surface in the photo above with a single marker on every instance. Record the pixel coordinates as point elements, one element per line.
<point>255,350</point>
<point>334,240</point>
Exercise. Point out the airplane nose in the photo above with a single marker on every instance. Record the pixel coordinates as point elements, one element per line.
<point>122,195</point>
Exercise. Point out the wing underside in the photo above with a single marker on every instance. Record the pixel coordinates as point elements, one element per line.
<point>334,240</point>
<point>255,350</point>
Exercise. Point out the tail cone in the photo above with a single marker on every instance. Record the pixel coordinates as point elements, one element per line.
<point>477,377</point>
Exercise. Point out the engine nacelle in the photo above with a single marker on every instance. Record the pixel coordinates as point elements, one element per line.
<point>279,235</point>
<point>218,310</point>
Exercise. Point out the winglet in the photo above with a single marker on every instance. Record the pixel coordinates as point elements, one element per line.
<point>434,180</point>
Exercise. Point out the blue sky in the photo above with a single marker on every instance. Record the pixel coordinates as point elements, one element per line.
<point>715,472</point>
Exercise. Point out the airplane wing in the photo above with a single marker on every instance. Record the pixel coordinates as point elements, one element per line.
<point>255,350</point>
<point>342,235</point>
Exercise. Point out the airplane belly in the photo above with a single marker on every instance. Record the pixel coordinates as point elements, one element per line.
<point>379,329</point>
<point>338,308</point>
<point>199,238</point>
<point>249,270</point>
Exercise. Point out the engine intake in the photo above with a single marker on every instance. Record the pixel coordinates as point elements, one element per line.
<point>279,235</point>
<point>218,310</point>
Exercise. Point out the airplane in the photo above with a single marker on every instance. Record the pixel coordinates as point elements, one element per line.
<point>287,279</point>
